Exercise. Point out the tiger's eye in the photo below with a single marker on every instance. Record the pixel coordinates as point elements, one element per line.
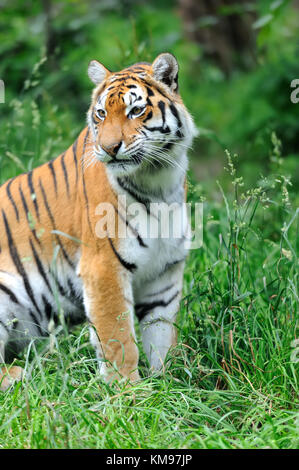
<point>101,113</point>
<point>136,110</point>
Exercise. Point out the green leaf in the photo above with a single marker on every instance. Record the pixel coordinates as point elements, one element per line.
<point>261,22</point>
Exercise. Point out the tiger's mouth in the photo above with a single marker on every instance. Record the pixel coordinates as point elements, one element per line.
<point>127,164</point>
<point>134,159</point>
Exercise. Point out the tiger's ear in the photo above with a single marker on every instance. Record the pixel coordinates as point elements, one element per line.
<point>97,72</point>
<point>165,69</point>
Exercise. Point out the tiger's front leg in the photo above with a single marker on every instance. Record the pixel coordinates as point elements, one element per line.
<point>157,304</point>
<point>109,307</point>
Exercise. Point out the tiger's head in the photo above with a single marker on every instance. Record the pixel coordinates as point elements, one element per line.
<point>137,119</point>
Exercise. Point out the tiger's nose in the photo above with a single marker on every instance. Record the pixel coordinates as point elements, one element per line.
<point>112,149</point>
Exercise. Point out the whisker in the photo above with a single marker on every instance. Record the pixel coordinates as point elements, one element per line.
<point>163,158</point>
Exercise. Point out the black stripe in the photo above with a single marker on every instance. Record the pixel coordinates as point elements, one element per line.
<point>160,291</point>
<point>65,255</point>
<point>65,174</point>
<point>32,192</point>
<point>176,79</point>
<point>17,262</point>
<point>71,288</point>
<point>40,266</point>
<point>49,311</point>
<point>9,293</point>
<point>25,206</point>
<point>162,93</point>
<point>176,115</point>
<point>10,197</point>
<point>50,165</point>
<point>47,308</point>
<point>144,308</point>
<point>157,89</point>
<point>148,117</point>
<point>132,193</point>
<point>163,130</point>
<point>75,158</point>
<point>85,141</point>
<point>170,265</point>
<point>138,237</point>
<point>74,298</point>
<point>129,266</point>
<point>161,106</point>
<point>57,283</point>
<point>168,146</point>
<point>123,77</point>
<point>46,203</point>
<point>36,323</point>
<point>83,181</point>
<point>27,212</point>
<point>149,91</point>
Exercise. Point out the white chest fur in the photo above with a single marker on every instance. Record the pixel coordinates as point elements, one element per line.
<point>154,224</point>
<point>155,239</point>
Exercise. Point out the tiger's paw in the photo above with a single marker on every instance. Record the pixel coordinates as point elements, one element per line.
<point>9,376</point>
<point>111,375</point>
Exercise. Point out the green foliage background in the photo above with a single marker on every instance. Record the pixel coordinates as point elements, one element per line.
<point>239,113</point>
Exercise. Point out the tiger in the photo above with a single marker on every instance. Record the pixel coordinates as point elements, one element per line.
<point>133,149</point>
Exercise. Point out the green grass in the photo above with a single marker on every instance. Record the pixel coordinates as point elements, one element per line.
<point>232,381</point>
